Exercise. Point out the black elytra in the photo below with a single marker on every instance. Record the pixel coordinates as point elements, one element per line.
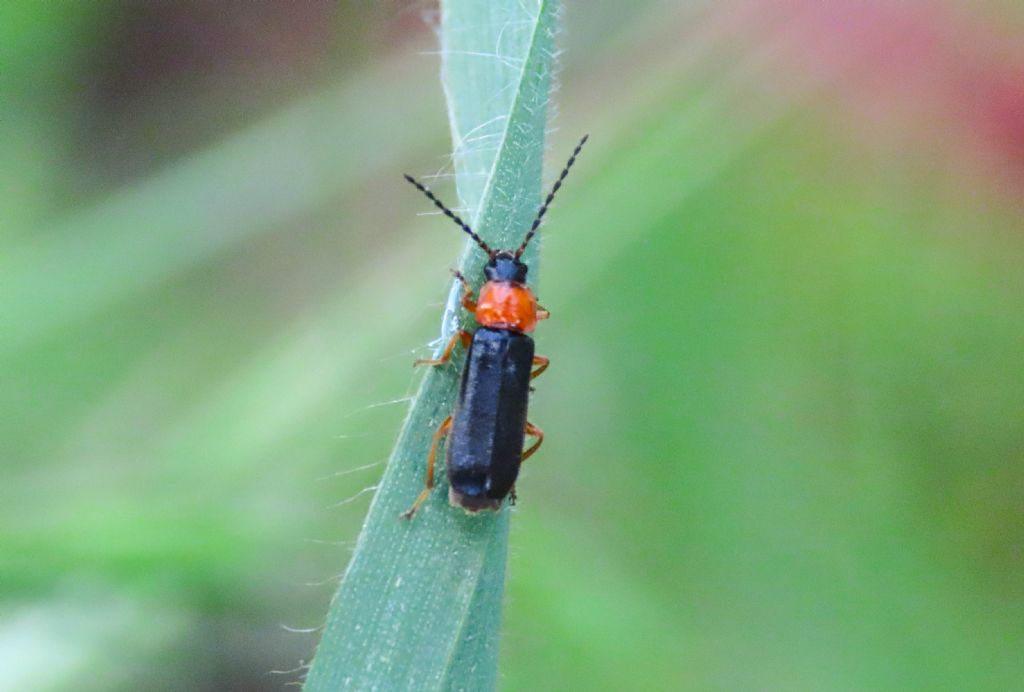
<point>485,445</point>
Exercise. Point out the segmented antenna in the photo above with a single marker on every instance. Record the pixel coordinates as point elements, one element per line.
<point>551,196</point>
<point>451,215</point>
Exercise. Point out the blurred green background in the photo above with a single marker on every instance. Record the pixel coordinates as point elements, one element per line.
<point>785,413</point>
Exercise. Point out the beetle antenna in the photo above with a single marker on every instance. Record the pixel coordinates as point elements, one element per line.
<point>451,215</point>
<point>551,196</point>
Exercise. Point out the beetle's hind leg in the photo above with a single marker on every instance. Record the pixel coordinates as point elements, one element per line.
<point>542,363</point>
<point>441,431</point>
<point>533,430</point>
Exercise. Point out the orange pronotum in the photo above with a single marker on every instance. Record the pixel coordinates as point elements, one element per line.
<point>506,305</point>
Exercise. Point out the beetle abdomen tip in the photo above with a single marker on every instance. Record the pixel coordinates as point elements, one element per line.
<point>471,503</point>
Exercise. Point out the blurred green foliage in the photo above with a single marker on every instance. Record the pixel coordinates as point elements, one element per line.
<point>784,413</point>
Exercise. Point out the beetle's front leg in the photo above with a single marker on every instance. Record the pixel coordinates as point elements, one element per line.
<point>467,292</point>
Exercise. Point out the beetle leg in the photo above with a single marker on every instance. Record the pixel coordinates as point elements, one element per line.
<point>532,429</point>
<point>446,355</point>
<point>542,364</point>
<point>441,431</point>
<point>543,313</point>
<point>467,292</point>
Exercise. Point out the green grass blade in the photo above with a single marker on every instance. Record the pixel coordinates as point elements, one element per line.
<point>420,604</point>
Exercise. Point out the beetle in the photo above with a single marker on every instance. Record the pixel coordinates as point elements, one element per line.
<point>488,426</point>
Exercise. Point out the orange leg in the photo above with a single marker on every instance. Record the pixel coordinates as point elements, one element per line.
<point>446,355</point>
<point>467,292</point>
<point>542,364</point>
<point>441,431</point>
<point>531,429</point>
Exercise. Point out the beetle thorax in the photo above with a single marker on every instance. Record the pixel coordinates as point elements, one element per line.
<point>507,305</point>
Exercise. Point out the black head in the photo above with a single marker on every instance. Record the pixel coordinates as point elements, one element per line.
<point>504,266</point>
